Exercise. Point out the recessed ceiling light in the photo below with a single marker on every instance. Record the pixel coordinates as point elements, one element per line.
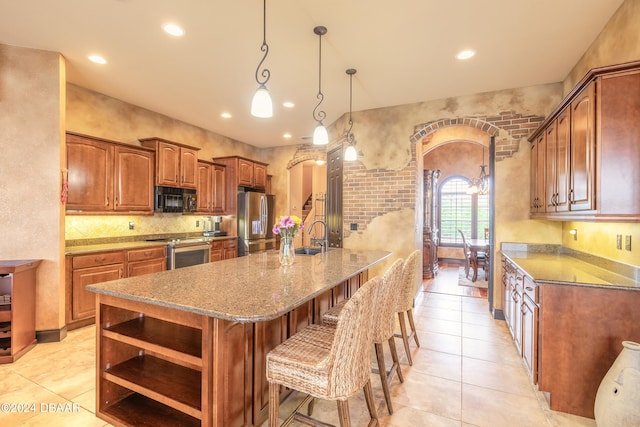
<point>225,115</point>
<point>97,59</point>
<point>287,135</point>
<point>173,29</point>
<point>288,104</point>
<point>465,54</point>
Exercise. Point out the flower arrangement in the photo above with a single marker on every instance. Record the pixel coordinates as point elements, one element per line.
<point>288,226</point>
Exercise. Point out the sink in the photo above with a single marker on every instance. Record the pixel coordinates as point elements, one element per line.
<point>307,251</point>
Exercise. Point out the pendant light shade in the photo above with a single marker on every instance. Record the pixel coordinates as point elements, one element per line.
<point>350,154</point>
<point>261,105</point>
<point>320,135</point>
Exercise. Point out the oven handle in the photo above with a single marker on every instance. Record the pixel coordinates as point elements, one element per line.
<point>188,248</point>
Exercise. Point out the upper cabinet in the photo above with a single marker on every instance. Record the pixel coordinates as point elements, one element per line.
<point>241,172</point>
<point>108,177</point>
<point>176,164</point>
<point>211,188</point>
<point>591,150</point>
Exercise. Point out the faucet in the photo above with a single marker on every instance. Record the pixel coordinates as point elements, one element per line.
<point>324,243</point>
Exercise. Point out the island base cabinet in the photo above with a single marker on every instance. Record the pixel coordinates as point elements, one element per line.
<point>581,334</point>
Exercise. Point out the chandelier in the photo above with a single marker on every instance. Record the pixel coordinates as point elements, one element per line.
<point>481,185</point>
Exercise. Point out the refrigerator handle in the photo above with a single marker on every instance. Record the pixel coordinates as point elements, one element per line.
<point>263,215</point>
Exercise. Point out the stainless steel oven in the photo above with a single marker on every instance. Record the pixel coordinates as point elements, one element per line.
<point>186,253</point>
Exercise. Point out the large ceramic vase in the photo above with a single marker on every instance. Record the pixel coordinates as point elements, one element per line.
<point>287,252</point>
<point>618,397</point>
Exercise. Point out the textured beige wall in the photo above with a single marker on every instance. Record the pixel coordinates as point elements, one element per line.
<point>618,42</point>
<point>31,217</point>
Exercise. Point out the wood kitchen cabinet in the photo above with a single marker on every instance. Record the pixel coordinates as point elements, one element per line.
<point>211,188</point>
<point>176,164</point>
<point>538,148</point>
<point>556,177</point>
<point>521,311</point>
<point>83,270</point>
<point>224,249</point>
<point>241,172</point>
<point>17,308</point>
<point>108,177</point>
<point>592,151</point>
<point>87,269</point>
<point>146,261</point>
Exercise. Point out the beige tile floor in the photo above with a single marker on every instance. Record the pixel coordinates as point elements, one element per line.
<point>466,373</point>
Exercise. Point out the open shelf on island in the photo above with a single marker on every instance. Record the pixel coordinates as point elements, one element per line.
<point>141,411</point>
<point>174,385</point>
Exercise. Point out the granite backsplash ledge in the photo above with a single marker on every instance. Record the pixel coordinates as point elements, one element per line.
<point>626,270</point>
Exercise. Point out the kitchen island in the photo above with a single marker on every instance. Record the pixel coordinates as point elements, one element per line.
<point>188,346</point>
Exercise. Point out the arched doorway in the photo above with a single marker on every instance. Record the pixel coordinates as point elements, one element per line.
<point>455,148</point>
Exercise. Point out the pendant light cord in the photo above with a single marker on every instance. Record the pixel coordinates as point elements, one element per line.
<point>264,48</point>
<point>319,116</point>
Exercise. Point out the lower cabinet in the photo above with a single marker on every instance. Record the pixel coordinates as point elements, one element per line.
<point>88,269</point>
<point>521,308</point>
<point>224,249</point>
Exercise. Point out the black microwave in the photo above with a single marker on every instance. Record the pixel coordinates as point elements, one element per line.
<point>170,199</point>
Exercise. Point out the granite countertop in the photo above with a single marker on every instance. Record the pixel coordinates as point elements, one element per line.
<point>564,268</point>
<point>245,289</point>
<point>114,246</point>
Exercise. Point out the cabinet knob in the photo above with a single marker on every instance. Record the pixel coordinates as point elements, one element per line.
<point>100,259</point>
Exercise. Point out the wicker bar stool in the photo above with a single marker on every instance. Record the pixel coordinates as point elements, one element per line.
<point>330,363</point>
<point>409,288</point>
<point>383,326</point>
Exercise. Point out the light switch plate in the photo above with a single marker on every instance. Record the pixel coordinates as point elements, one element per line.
<point>627,242</point>
<point>619,241</point>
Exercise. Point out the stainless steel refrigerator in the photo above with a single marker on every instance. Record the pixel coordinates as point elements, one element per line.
<point>255,221</point>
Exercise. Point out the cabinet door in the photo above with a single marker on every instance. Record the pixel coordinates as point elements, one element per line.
<point>188,167</point>
<point>90,169</point>
<point>140,268</point>
<point>529,312</point>
<point>83,303</point>
<point>563,138</point>
<point>537,174</point>
<point>217,250</point>
<point>581,194</point>
<point>133,185</point>
<point>259,175</point>
<point>550,167</point>
<point>219,184</point>
<point>204,190</point>
<point>168,165</point>
<point>230,249</point>
<point>245,173</point>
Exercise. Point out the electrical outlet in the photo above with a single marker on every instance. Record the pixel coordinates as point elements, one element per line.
<point>627,242</point>
<point>131,225</point>
<point>197,223</point>
<point>619,241</point>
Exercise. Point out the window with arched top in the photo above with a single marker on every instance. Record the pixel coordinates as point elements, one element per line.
<point>461,210</point>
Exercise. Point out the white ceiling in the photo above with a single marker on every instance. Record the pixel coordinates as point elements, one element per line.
<point>404,51</point>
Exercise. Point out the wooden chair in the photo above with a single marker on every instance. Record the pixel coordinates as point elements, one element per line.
<point>383,326</point>
<point>328,362</point>
<point>409,287</point>
<point>472,262</point>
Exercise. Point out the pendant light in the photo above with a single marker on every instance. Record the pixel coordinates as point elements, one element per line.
<point>261,105</point>
<point>320,135</point>
<point>350,154</point>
